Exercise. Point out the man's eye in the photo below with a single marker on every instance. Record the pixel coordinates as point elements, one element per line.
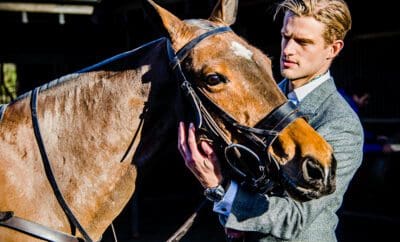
<point>303,43</point>
<point>215,79</point>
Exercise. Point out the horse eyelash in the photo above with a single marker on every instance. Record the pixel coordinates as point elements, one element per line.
<point>222,77</point>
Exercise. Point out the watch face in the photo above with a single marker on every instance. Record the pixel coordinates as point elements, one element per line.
<point>214,194</point>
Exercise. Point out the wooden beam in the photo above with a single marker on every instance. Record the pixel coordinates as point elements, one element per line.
<point>46,8</point>
<point>377,35</point>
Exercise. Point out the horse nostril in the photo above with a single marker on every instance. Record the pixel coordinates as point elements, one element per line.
<point>312,170</point>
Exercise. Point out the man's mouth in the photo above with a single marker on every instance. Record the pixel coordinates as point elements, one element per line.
<point>288,63</point>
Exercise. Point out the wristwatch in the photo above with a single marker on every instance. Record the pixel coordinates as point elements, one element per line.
<point>214,194</point>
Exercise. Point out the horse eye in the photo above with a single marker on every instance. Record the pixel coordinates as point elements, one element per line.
<point>215,79</point>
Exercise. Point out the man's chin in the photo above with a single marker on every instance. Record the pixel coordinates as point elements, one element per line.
<point>288,74</point>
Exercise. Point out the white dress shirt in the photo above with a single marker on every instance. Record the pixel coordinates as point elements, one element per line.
<point>301,92</point>
<point>297,95</point>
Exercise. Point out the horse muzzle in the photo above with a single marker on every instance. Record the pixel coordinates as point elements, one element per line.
<point>314,182</point>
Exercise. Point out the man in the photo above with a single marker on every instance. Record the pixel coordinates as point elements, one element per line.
<point>312,36</point>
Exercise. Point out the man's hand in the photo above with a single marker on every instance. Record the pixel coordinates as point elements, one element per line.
<point>202,162</point>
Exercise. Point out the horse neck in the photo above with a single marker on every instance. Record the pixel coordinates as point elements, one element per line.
<point>88,126</point>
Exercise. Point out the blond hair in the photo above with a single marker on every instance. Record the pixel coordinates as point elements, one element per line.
<point>334,14</point>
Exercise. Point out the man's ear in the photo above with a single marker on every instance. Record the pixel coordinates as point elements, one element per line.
<point>335,48</point>
<point>225,11</point>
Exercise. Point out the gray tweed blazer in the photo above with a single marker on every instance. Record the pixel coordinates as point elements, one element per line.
<point>270,218</point>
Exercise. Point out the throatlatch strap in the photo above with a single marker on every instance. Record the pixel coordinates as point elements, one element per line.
<point>281,117</point>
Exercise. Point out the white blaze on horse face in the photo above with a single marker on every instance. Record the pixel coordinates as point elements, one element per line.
<point>239,50</point>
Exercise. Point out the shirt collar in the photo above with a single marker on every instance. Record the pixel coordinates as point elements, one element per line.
<point>303,91</point>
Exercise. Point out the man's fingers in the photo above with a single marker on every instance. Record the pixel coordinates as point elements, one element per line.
<point>192,141</point>
<point>209,151</point>
<point>187,144</point>
<point>212,157</point>
<point>182,145</point>
<point>207,148</point>
<point>200,163</point>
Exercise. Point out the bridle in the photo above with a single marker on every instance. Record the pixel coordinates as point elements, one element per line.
<point>259,176</point>
<point>260,137</point>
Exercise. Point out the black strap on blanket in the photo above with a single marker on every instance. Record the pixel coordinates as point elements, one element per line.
<point>49,170</point>
<point>7,219</point>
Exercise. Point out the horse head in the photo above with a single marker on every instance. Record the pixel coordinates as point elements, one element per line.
<point>236,79</point>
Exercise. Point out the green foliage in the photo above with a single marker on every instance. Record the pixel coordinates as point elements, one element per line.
<point>8,85</point>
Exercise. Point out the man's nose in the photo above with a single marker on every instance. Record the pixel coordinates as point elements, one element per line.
<point>288,47</point>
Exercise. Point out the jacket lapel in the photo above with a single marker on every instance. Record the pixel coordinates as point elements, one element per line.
<point>310,104</point>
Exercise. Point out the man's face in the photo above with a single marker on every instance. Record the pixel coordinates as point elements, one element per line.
<point>304,53</point>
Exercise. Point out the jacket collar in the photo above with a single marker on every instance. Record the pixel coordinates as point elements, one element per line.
<point>309,105</point>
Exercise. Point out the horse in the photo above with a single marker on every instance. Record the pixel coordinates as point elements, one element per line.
<point>70,148</point>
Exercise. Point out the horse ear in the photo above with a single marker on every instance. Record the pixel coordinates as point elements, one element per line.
<point>176,28</point>
<point>226,11</point>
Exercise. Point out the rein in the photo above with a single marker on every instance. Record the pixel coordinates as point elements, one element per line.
<point>39,231</point>
<point>8,219</point>
<point>49,171</point>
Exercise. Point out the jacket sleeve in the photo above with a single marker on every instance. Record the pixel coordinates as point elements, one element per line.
<point>285,218</point>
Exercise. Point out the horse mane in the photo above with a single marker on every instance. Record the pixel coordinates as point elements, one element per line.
<point>72,77</point>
